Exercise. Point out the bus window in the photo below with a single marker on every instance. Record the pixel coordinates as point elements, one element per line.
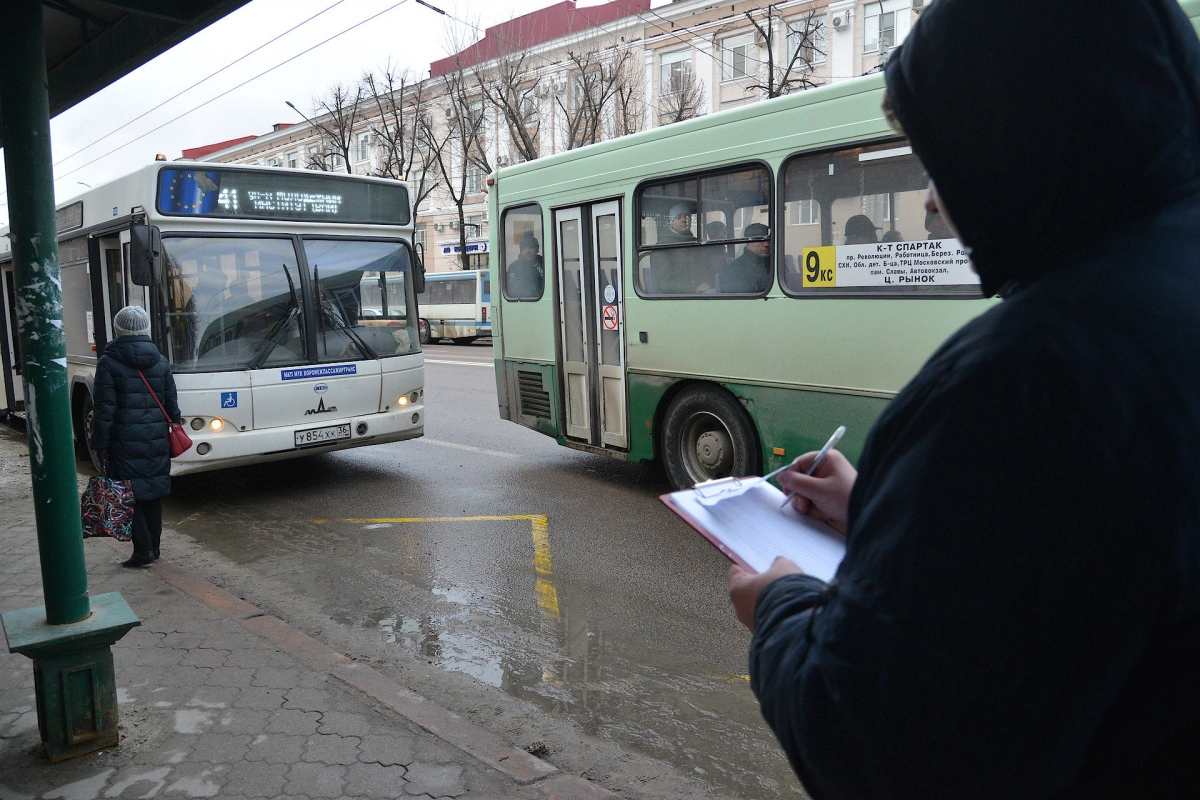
<point>694,231</point>
<point>232,303</point>
<point>363,293</point>
<point>854,222</point>
<point>525,275</point>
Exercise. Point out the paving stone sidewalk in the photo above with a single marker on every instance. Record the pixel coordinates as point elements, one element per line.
<point>217,699</point>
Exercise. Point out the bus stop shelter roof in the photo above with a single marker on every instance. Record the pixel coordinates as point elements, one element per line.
<point>92,43</point>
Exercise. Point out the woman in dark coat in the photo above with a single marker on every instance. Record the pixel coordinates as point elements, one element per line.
<point>129,430</point>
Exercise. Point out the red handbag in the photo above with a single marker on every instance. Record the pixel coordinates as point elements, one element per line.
<point>176,435</point>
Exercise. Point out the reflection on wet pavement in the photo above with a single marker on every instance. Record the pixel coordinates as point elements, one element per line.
<point>569,666</point>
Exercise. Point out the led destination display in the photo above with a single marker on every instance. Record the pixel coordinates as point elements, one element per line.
<point>316,197</point>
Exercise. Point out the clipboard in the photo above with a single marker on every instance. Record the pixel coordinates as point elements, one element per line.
<point>742,519</point>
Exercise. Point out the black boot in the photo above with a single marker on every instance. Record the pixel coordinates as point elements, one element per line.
<point>139,560</point>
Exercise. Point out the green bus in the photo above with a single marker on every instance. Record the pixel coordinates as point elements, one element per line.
<point>721,294</point>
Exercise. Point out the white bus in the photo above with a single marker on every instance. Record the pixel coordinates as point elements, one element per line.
<point>281,298</point>
<point>455,306</point>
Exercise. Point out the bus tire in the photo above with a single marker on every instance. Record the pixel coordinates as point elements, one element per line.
<point>707,434</point>
<point>87,412</point>
<point>464,339</point>
<point>423,331</point>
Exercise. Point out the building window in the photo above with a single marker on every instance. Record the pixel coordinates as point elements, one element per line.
<point>362,147</point>
<point>803,212</point>
<point>476,225</point>
<point>293,160</point>
<point>312,162</point>
<point>475,178</point>
<point>673,66</point>
<point>814,49</point>
<point>273,162</point>
<point>737,57</point>
<point>885,24</point>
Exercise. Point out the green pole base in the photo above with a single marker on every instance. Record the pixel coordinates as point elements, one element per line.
<point>73,673</point>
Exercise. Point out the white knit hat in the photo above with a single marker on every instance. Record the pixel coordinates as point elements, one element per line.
<point>132,321</point>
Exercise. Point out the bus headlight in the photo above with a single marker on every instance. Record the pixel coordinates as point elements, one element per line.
<point>197,423</point>
<point>216,424</point>
<point>403,401</point>
<point>412,398</point>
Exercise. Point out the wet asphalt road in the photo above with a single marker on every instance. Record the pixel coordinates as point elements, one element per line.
<point>487,549</point>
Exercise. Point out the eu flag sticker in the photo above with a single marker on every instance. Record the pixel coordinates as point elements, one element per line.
<point>228,399</point>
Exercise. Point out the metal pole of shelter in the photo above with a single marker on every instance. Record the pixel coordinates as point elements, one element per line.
<point>27,161</point>
<point>70,638</point>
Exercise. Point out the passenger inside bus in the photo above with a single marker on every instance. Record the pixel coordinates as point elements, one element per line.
<point>750,273</point>
<point>682,270</point>
<point>525,275</point>
<point>860,230</point>
<point>716,231</point>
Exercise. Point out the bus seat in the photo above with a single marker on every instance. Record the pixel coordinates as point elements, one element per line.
<point>649,285</point>
<point>720,279</point>
<point>792,279</point>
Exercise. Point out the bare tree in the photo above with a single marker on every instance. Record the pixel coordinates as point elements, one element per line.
<point>334,117</point>
<point>630,97</point>
<point>684,99</point>
<point>804,42</point>
<point>399,102</point>
<point>595,76</point>
<point>458,148</point>
<point>509,90</point>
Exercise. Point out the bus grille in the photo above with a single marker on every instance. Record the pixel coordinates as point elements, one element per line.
<point>535,401</point>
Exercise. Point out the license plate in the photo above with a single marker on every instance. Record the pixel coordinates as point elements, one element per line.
<point>314,436</point>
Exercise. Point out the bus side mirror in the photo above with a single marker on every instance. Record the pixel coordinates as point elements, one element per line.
<point>419,270</point>
<point>145,255</point>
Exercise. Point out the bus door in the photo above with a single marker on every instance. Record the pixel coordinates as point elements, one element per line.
<point>592,323</point>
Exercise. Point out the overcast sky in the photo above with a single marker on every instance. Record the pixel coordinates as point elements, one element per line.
<point>401,30</point>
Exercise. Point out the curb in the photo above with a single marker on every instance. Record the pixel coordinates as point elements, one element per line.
<point>477,742</point>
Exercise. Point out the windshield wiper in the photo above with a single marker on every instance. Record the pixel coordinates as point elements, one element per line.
<point>272,341</point>
<point>334,314</point>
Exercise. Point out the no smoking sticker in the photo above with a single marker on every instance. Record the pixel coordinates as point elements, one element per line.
<point>610,318</point>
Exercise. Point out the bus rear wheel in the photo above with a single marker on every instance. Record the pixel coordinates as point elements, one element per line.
<point>423,328</point>
<point>707,435</point>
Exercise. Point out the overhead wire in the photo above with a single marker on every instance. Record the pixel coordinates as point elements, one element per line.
<point>211,75</point>
<point>232,89</point>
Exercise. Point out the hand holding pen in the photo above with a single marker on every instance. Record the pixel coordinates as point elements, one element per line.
<point>827,497</point>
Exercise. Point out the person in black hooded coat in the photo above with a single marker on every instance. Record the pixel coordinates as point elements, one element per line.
<point>1018,611</point>
<point>129,430</point>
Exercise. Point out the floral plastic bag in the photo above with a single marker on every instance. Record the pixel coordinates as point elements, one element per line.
<point>107,508</point>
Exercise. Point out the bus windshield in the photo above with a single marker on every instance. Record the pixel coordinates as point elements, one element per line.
<point>237,303</point>
<point>363,298</point>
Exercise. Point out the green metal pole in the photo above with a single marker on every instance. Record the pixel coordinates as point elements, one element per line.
<point>25,106</point>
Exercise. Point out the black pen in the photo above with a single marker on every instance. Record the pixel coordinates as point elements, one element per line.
<point>824,451</point>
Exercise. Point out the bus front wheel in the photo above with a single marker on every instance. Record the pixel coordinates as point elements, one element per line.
<point>88,415</point>
<point>423,328</point>
<point>706,435</point>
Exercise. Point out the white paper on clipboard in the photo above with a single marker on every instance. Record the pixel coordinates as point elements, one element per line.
<point>751,530</point>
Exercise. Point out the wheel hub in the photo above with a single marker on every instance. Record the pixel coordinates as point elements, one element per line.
<point>714,451</point>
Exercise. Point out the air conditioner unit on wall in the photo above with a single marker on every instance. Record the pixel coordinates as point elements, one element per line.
<point>841,20</point>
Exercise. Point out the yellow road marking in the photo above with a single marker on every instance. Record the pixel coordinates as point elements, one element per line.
<point>547,595</point>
